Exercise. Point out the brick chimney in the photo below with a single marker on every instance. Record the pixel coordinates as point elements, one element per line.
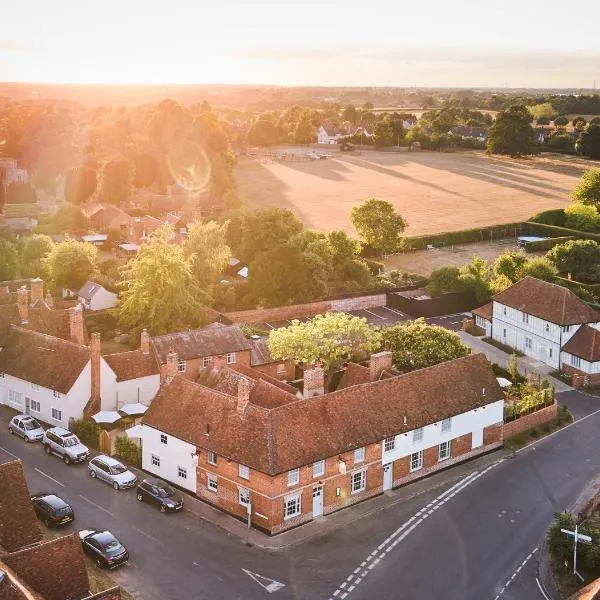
<point>380,362</point>
<point>49,300</point>
<point>170,368</point>
<point>243,394</point>
<point>95,365</point>
<point>145,342</point>
<point>37,290</point>
<point>76,325</point>
<point>23,304</point>
<point>314,381</point>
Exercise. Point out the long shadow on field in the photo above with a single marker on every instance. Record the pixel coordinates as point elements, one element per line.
<point>326,169</point>
<point>526,184</point>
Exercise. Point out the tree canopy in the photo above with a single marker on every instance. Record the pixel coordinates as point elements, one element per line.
<point>587,190</point>
<point>476,276</point>
<point>80,184</point>
<point>512,134</point>
<point>579,258</point>
<point>583,217</point>
<point>70,264</point>
<point>20,192</point>
<point>35,250</point>
<point>444,279</point>
<point>325,339</point>
<point>116,179</point>
<point>588,143</point>
<point>8,260</point>
<point>378,225</point>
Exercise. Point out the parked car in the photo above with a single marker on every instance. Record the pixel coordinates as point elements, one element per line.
<point>26,427</point>
<point>65,444</point>
<point>159,493</point>
<point>103,547</point>
<point>112,471</point>
<point>52,510</point>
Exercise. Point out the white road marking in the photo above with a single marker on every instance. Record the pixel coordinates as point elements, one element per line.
<point>9,453</point>
<point>96,505</point>
<point>374,314</point>
<point>48,476</point>
<point>148,535</point>
<point>512,577</point>
<point>541,589</point>
<point>393,310</point>
<point>265,582</point>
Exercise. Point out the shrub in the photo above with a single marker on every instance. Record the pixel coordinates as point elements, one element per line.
<point>128,451</point>
<point>560,546</point>
<point>534,433</point>
<point>545,245</point>
<point>87,431</point>
<point>582,217</point>
<point>550,217</point>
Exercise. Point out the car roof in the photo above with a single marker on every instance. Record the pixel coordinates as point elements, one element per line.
<point>156,482</point>
<point>61,431</point>
<point>24,417</point>
<point>108,460</point>
<point>54,501</point>
<point>103,536</point>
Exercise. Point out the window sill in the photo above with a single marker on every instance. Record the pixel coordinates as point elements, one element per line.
<point>291,516</point>
<point>416,469</point>
<point>357,491</point>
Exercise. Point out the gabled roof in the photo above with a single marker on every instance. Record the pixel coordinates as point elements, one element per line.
<point>275,440</point>
<point>485,311</point>
<point>55,569</point>
<point>41,359</point>
<point>216,339</point>
<point>354,374</point>
<point>19,526</point>
<point>260,353</point>
<point>547,301</point>
<point>133,364</point>
<point>89,289</point>
<point>585,344</point>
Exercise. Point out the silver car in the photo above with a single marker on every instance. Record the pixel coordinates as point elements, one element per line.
<point>112,471</point>
<point>26,427</point>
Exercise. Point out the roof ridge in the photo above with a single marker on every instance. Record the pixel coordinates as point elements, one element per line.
<point>46,335</point>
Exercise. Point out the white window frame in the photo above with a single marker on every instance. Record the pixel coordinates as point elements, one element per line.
<point>418,435</point>
<point>416,461</point>
<point>206,360</point>
<point>445,451</point>
<point>15,397</point>
<point>504,310</point>
<point>57,411</point>
<point>35,405</point>
<point>212,483</point>
<point>550,352</point>
<point>525,318</point>
<point>181,366</point>
<point>56,394</point>
<point>231,358</point>
<point>447,424</point>
<point>575,361</point>
<point>35,386</point>
<point>181,472</point>
<point>293,477</point>
<point>155,460</point>
<point>358,481</point>
<point>566,328</point>
<point>164,439</point>
<point>389,444</point>
<point>211,457</point>
<point>293,502</point>
<point>528,343</point>
<point>547,328</point>
<point>504,333</point>
<point>318,468</point>
<point>359,455</point>
<point>244,496</point>
<point>243,471</point>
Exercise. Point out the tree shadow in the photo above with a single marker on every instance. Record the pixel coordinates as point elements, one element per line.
<point>323,168</point>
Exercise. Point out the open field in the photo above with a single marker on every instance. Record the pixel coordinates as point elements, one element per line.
<point>433,191</point>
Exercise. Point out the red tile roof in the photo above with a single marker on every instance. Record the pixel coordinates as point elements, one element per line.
<point>547,301</point>
<point>275,440</point>
<point>133,364</point>
<point>585,344</point>
<point>354,374</point>
<point>485,311</point>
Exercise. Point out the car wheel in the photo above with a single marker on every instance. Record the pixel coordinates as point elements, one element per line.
<point>67,460</point>
<point>47,449</point>
<point>10,430</point>
<point>93,474</point>
<point>163,508</point>
<point>139,497</point>
<point>116,485</point>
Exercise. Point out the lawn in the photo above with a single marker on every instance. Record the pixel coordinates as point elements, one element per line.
<point>434,191</point>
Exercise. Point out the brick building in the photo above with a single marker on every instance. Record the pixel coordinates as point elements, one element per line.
<point>250,444</point>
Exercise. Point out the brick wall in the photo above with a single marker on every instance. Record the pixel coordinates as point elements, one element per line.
<point>529,421</point>
<point>359,303</point>
<point>280,313</point>
<point>288,373</point>
<point>580,378</point>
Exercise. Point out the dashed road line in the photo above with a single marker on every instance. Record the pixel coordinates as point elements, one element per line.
<point>96,505</point>
<point>374,314</point>
<point>541,589</point>
<point>48,476</point>
<point>512,577</point>
<point>9,453</point>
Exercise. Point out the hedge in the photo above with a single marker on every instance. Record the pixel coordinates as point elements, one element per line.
<point>532,228</point>
<point>555,217</point>
<point>545,245</point>
<point>594,288</point>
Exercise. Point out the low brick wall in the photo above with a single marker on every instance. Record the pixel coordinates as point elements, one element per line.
<point>280,313</point>
<point>359,303</point>
<point>580,378</point>
<point>529,421</point>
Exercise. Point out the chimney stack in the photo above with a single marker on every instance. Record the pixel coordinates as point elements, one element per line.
<point>243,395</point>
<point>23,304</point>
<point>145,342</point>
<point>95,364</point>
<point>170,369</point>
<point>380,362</point>
<point>37,290</point>
<point>314,381</point>
<point>76,325</point>
<point>49,300</point>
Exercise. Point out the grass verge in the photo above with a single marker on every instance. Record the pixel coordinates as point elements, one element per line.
<point>501,346</point>
<point>536,433</point>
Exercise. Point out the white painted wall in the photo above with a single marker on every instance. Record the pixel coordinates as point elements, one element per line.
<point>584,365</point>
<point>100,300</point>
<point>484,324</point>
<point>175,453</point>
<point>473,421</point>
<point>115,393</point>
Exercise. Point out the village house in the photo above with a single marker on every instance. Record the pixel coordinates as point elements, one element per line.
<point>93,296</point>
<point>106,217</point>
<point>547,322</point>
<point>262,361</point>
<point>252,445</point>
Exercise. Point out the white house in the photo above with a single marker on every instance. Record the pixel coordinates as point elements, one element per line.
<point>93,296</point>
<point>328,134</point>
<point>11,171</point>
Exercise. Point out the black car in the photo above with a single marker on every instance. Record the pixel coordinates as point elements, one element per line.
<point>103,547</point>
<point>52,510</point>
<point>160,493</point>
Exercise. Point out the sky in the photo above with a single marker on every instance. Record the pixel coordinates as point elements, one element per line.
<point>464,43</point>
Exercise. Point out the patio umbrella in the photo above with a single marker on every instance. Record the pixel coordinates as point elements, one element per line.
<point>107,416</point>
<point>135,431</point>
<point>133,409</point>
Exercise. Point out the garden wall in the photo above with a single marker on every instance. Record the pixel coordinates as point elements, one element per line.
<point>535,419</point>
<point>446,304</point>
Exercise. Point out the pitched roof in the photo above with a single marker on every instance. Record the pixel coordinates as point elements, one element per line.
<point>275,440</point>
<point>211,341</point>
<point>485,311</point>
<point>354,374</point>
<point>55,569</point>
<point>10,591</point>
<point>89,289</point>
<point>133,364</point>
<point>585,343</point>
<point>19,526</point>
<point>43,360</point>
<point>9,315</point>
<point>547,301</point>
<point>260,353</point>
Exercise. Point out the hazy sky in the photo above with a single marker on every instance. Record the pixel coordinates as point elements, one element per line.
<point>521,43</point>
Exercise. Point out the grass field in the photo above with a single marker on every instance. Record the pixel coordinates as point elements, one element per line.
<point>433,191</point>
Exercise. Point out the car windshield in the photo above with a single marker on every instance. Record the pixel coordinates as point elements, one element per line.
<point>166,492</point>
<point>70,442</point>
<point>30,425</point>
<point>118,469</point>
<point>111,545</point>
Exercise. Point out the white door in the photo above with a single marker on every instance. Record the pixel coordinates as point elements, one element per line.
<point>477,438</point>
<point>388,476</point>
<point>317,501</point>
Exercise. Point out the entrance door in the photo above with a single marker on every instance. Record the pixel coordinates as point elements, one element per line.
<point>27,405</point>
<point>317,501</point>
<point>388,476</point>
<point>477,438</point>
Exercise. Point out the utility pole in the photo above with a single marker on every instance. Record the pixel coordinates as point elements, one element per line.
<point>586,539</point>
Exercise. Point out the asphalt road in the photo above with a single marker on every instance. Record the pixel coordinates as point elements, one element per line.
<point>462,541</point>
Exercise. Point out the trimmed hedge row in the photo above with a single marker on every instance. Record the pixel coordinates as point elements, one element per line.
<point>572,284</point>
<point>553,231</point>
<point>554,217</point>
<point>545,245</point>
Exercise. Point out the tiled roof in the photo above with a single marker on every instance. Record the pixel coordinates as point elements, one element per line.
<point>485,311</point>
<point>132,365</point>
<point>213,340</point>
<point>9,591</point>
<point>89,289</point>
<point>56,569</point>
<point>547,301</point>
<point>19,525</point>
<point>298,433</point>
<point>42,359</point>
<point>354,374</point>
<point>9,315</point>
<point>260,353</point>
<point>585,343</point>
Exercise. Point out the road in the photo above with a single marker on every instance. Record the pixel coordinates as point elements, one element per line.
<point>462,541</point>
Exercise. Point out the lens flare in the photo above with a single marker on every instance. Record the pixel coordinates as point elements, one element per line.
<point>189,166</point>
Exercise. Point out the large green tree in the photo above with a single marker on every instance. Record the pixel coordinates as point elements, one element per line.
<point>9,259</point>
<point>476,276</point>
<point>116,179</point>
<point>264,132</point>
<point>378,225</point>
<point>587,190</point>
<point>20,192</point>
<point>80,184</point>
<point>417,345</point>
<point>510,264</point>
<point>325,339</point>
<point>583,217</point>
<point>158,289</point>
<point>512,134</point>
<point>304,131</point>
<point>70,264</point>
<point>588,143</point>
<point>444,279</point>
<point>540,268</point>
<point>35,250</point>
<point>579,258</point>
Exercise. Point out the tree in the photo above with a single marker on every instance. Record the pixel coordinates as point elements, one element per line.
<point>19,192</point>
<point>579,123</point>
<point>343,247</point>
<point>67,219</point>
<point>159,291</point>
<point>35,250</point>
<point>510,264</point>
<point>146,170</point>
<point>325,339</point>
<point>304,131</point>
<point>575,257</point>
<point>350,114</point>
<point>588,143</point>
<point>582,217</point>
<point>542,111</point>
<point>2,197</point>
<point>264,132</point>
<point>417,345</point>
<point>384,135</point>
<point>70,264</point>
<point>208,251</point>
<point>476,277</point>
<point>540,268</point>
<point>512,133</point>
<point>80,184</point>
<point>587,190</point>
<point>561,121</point>
<point>116,178</point>
<point>444,279</point>
<point>378,225</point>
<point>8,260</point>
